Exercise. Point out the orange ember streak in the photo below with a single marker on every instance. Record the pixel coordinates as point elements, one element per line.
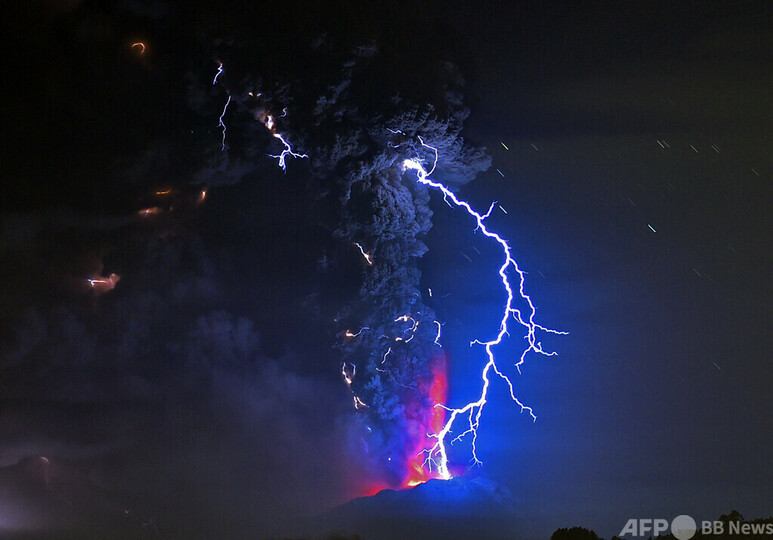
<point>152,211</point>
<point>139,45</point>
<point>103,284</point>
<point>202,196</point>
<point>162,192</point>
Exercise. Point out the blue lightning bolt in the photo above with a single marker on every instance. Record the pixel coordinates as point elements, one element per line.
<point>288,150</point>
<point>437,455</point>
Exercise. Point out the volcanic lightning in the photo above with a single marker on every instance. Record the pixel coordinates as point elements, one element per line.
<point>350,334</point>
<point>365,254</point>
<point>218,73</point>
<point>221,123</point>
<point>103,284</point>
<point>437,455</point>
<point>288,149</point>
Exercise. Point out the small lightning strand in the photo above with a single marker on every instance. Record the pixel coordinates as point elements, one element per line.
<point>221,123</point>
<point>412,329</point>
<point>366,255</point>
<point>437,337</point>
<point>437,455</point>
<point>349,333</point>
<point>219,72</point>
<point>349,379</point>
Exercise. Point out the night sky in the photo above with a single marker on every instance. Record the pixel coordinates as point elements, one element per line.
<point>628,146</point>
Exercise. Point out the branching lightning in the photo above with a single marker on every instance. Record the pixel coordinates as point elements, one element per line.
<point>437,455</point>
<point>288,150</point>
<point>269,122</point>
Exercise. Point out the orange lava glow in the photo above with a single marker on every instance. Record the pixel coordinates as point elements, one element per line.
<point>431,420</point>
<point>375,488</point>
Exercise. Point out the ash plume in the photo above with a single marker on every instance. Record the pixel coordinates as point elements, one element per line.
<point>376,218</point>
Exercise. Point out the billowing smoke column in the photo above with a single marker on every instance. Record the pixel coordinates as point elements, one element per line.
<point>401,372</point>
<point>363,144</point>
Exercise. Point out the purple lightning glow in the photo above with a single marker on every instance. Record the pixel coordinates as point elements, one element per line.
<point>437,455</point>
<point>221,123</point>
<point>288,151</point>
<point>219,72</point>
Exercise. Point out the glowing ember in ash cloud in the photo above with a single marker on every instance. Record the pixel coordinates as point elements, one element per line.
<point>101,285</point>
<point>152,211</point>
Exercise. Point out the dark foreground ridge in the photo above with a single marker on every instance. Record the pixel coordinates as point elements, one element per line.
<point>450,509</point>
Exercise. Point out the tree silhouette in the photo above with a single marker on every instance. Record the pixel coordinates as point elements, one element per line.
<point>575,533</point>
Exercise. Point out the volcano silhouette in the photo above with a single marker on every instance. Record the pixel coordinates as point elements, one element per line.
<point>458,508</point>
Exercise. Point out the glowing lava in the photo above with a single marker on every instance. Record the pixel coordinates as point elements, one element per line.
<point>428,420</point>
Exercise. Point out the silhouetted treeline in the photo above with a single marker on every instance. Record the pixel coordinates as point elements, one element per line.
<point>575,533</point>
